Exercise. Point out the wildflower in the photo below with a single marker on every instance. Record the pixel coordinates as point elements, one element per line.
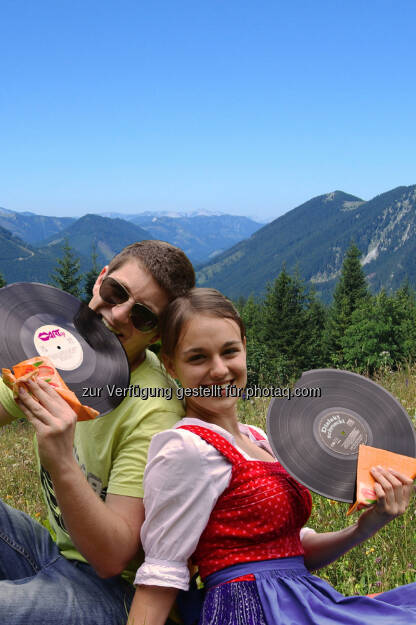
<point>370,550</point>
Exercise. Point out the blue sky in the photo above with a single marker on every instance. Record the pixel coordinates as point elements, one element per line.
<point>235,106</point>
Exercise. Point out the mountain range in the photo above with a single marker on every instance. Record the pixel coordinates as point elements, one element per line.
<point>30,227</point>
<point>201,234</point>
<point>201,237</point>
<point>27,255</point>
<point>313,238</point>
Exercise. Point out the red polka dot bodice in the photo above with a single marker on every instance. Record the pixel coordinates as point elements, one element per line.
<point>259,515</point>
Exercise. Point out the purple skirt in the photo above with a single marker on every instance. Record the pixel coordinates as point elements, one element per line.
<point>286,593</point>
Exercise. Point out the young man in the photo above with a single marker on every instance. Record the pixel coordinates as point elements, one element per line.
<point>92,471</point>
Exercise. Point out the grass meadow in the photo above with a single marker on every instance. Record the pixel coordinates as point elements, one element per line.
<point>385,561</point>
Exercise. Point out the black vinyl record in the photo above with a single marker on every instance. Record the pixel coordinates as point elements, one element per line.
<point>37,319</point>
<point>316,438</point>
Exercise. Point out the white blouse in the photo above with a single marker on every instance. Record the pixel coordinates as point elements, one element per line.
<point>183,479</point>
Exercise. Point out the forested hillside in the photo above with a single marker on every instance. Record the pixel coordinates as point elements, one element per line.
<point>314,237</point>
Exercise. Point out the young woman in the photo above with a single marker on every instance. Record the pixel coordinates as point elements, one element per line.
<point>214,492</point>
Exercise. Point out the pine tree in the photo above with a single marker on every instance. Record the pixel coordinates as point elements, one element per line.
<point>2,281</point>
<point>351,291</point>
<point>92,275</point>
<point>256,358</point>
<point>240,303</point>
<point>382,332</point>
<point>315,320</point>
<point>368,341</point>
<point>66,275</point>
<point>250,314</point>
<point>404,305</point>
<point>286,332</point>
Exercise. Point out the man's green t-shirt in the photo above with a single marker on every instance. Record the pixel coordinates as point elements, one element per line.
<point>112,450</point>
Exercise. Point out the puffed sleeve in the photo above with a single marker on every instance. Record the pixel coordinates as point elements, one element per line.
<point>306,530</point>
<point>179,495</point>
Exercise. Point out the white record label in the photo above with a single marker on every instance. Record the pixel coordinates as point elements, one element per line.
<point>60,346</point>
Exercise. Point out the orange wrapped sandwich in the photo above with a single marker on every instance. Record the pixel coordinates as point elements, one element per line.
<point>41,367</point>
<point>370,457</point>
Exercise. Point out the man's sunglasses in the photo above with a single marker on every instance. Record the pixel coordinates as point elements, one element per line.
<point>114,293</point>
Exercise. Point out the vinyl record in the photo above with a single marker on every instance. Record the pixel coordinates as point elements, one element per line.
<point>316,438</point>
<point>36,319</point>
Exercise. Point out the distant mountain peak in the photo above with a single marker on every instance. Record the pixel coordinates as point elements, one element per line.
<point>339,195</point>
<point>313,238</point>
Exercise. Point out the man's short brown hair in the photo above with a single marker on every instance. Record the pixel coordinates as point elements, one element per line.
<point>168,265</point>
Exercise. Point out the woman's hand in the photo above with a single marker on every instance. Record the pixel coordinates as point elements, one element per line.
<point>393,490</point>
<point>54,422</point>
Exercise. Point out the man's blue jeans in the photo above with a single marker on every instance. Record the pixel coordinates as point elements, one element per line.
<point>38,586</point>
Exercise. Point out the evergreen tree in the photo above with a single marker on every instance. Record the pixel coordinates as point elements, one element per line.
<point>315,320</point>
<point>256,357</point>
<point>2,281</point>
<point>404,305</point>
<point>292,326</point>
<point>351,291</point>
<point>382,332</point>
<point>368,341</point>
<point>91,276</point>
<point>251,314</point>
<point>66,276</point>
<point>240,303</point>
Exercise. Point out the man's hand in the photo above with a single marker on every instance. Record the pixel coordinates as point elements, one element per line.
<point>106,533</point>
<point>54,422</point>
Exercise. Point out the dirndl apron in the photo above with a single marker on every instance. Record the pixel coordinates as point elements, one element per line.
<point>244,588</point>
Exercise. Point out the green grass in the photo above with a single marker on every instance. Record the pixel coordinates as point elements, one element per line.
<point>19,485</point>
<point>383,562</point>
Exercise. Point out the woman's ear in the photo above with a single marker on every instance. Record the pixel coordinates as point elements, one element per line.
<point>168,362</point>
